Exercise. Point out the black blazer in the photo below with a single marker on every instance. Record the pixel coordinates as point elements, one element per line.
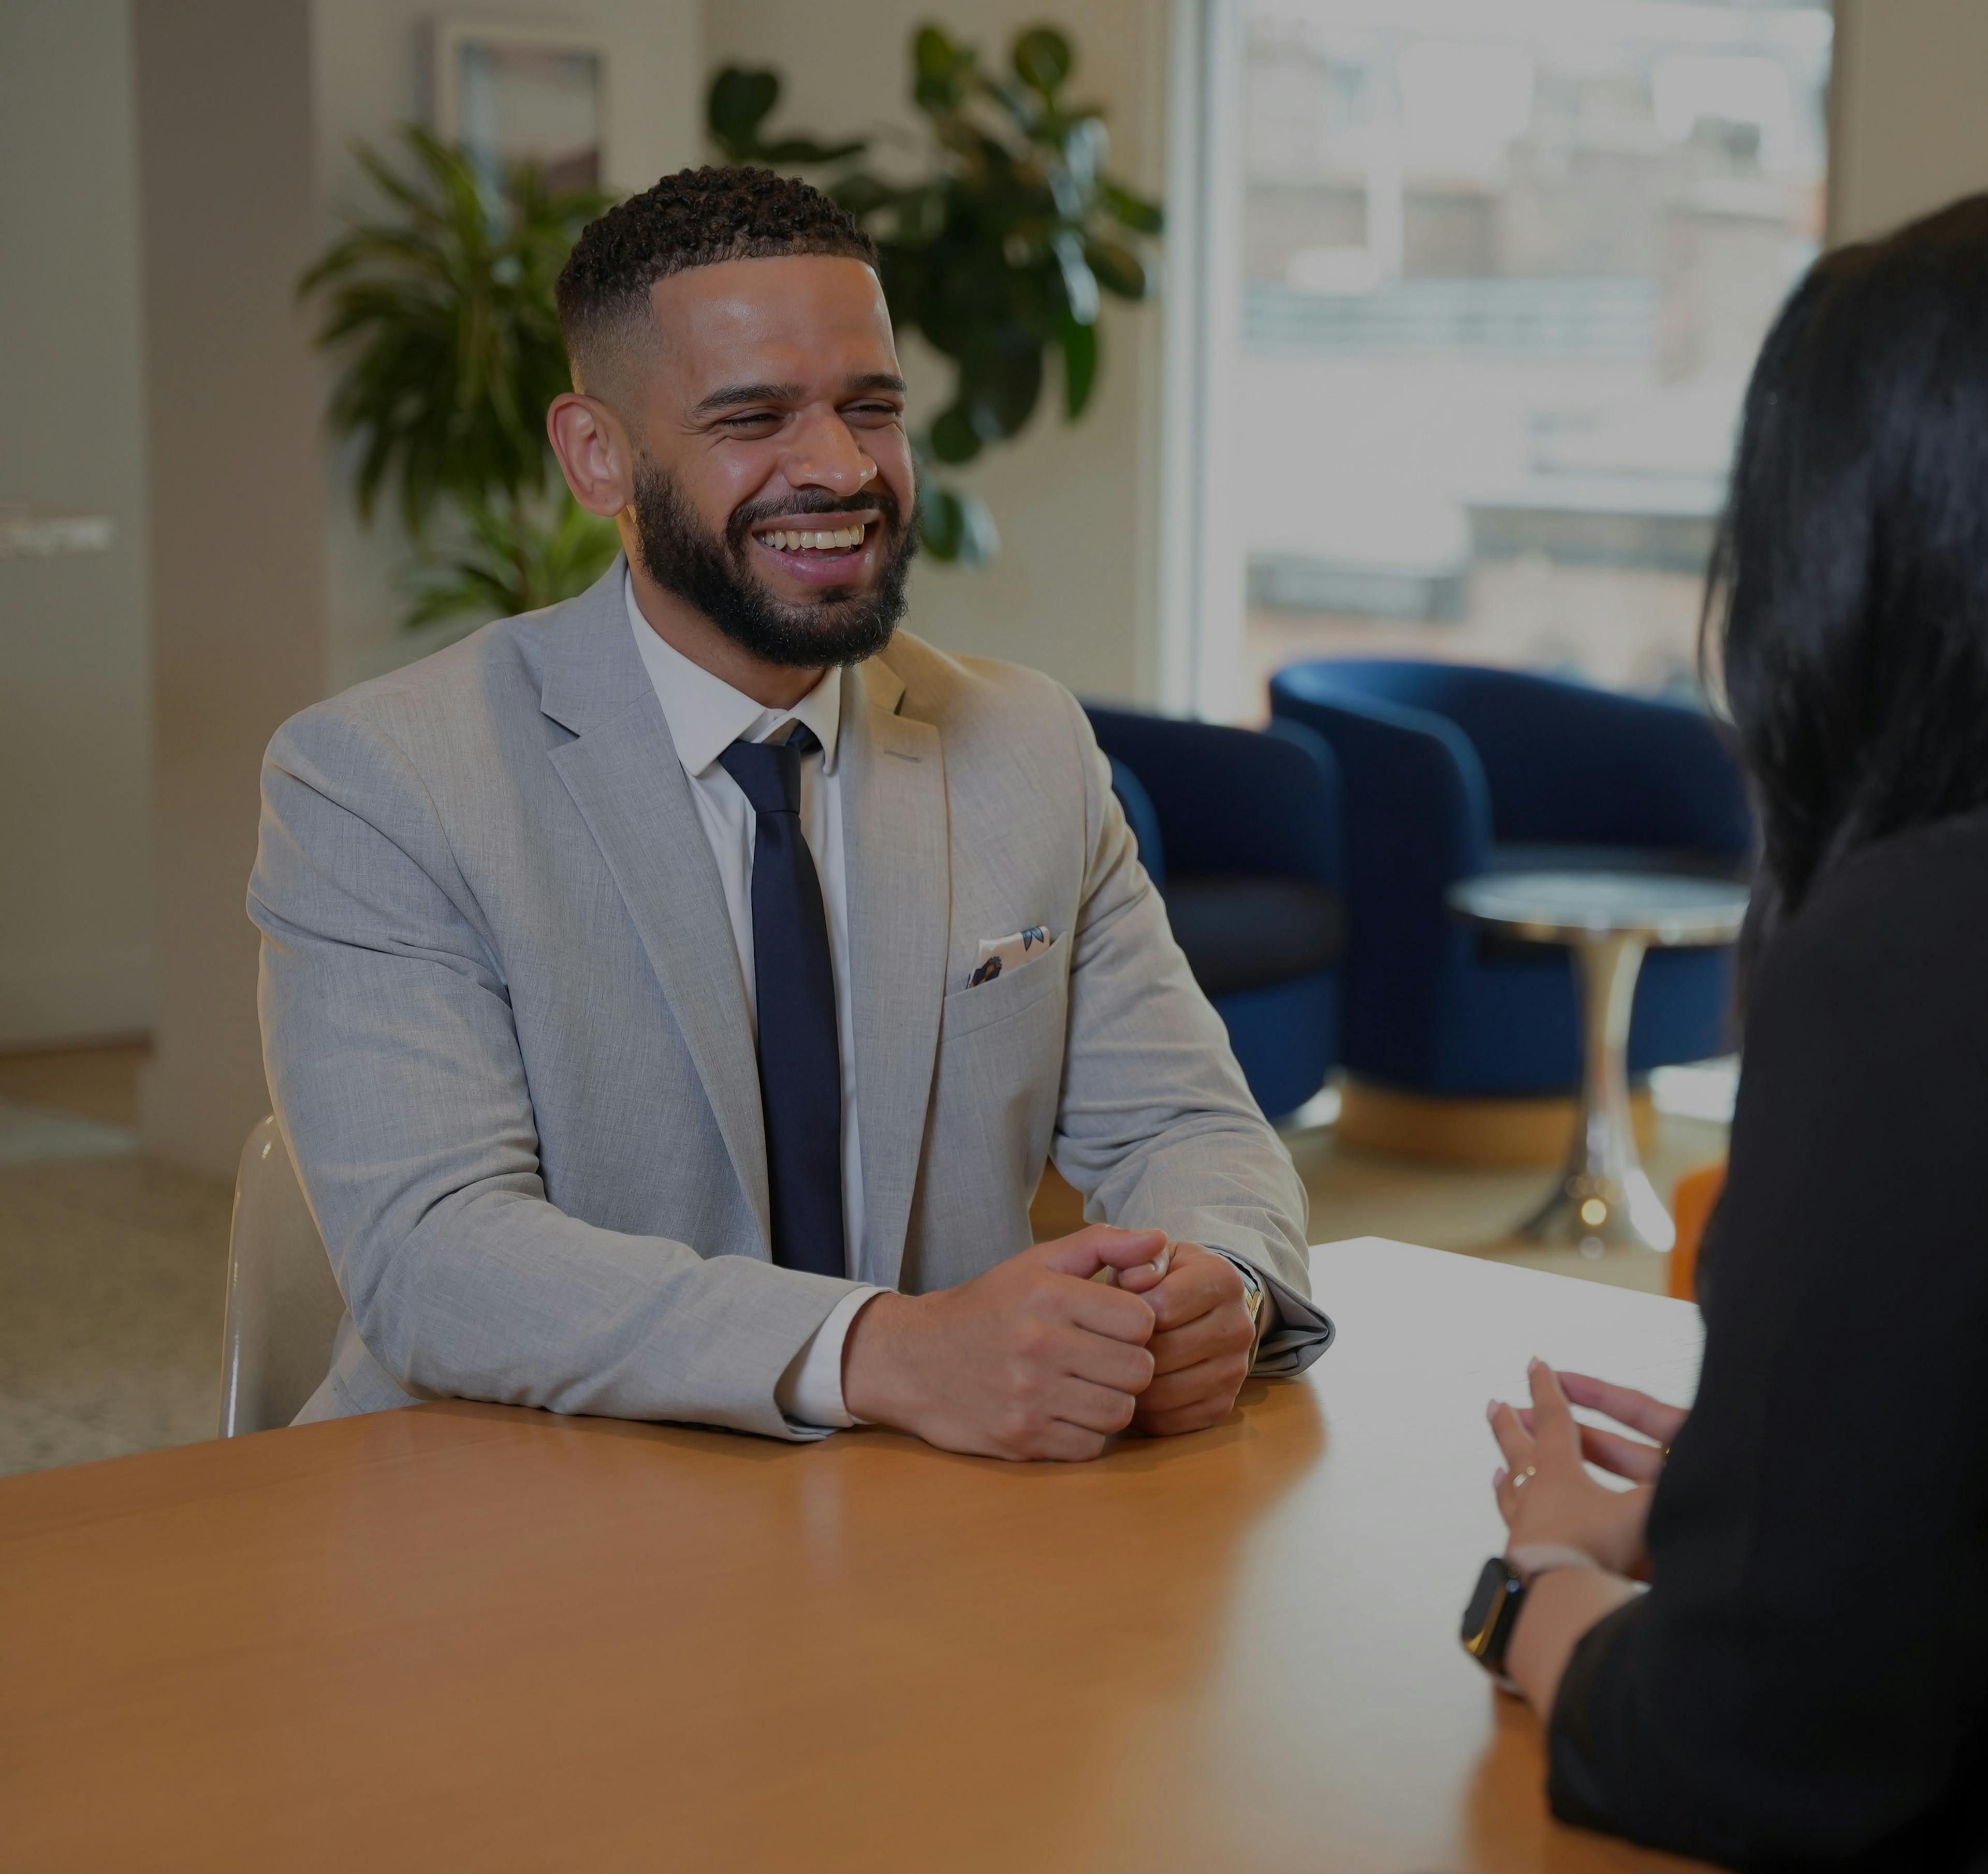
<point>1806,1684</point>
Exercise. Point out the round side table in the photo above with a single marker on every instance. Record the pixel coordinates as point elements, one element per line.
<point>1608,920</point>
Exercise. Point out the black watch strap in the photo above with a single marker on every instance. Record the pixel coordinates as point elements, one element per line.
<point>1493,1613</point>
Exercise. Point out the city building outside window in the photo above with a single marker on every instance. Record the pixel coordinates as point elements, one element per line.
<point>1505,265</point>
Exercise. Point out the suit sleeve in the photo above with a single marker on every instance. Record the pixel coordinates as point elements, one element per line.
<point>1804,1684</point>
<point>399,1083</point>
<point>1156,1126</point>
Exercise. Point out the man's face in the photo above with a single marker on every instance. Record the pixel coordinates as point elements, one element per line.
<point>773,488</point>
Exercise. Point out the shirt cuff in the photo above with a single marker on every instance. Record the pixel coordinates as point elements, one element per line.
<point>1292,1332</point>
<point>810,1391</point>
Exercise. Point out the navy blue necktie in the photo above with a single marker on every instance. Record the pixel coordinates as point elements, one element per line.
<point>800,1057</point>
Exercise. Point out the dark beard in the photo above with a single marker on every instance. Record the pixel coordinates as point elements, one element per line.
<point>683,556</point>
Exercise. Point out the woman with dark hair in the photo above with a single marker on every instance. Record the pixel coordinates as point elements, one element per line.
<point>1804,1682</point>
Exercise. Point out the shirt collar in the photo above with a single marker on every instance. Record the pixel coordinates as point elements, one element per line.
<point>706,715</point>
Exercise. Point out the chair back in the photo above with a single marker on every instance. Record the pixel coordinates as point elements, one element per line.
<point>283,1302</point>
<point>1231,800</point>
<point>1562,762</point>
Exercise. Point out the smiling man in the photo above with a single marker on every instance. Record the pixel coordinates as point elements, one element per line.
<point>672,999</point>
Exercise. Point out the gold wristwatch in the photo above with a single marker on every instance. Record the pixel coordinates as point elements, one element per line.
<point>1253,1298</point>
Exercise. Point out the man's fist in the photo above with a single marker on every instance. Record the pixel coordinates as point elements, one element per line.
<point>1202,1339</point>
<point>1032,1360</point>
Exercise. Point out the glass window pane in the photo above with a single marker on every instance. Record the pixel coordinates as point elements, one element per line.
<point>1508,263</point>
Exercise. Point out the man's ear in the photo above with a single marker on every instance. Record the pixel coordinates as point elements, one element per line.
<point>594,451</point>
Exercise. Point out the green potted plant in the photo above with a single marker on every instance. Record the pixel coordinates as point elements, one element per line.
<point>999,256</point>
<point>443,314</point>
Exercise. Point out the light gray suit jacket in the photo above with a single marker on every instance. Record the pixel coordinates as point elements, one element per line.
<point>505,1025</point>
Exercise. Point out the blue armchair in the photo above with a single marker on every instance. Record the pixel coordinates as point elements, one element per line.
<point>1451,771</point>
<point>1241,833</point>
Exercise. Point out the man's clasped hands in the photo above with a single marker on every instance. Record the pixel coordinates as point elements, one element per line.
<point>1039,1358</point>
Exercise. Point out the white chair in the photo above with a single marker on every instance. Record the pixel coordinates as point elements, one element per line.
<point>283,1304</point>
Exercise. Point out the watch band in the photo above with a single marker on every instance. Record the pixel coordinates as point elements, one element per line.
<point>1531,1560</point>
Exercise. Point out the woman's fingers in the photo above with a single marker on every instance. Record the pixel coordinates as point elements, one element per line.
<point>1626,1457</point>
<point>1513,1439</point>
<point>1554,1426</point>
<point>1625,1405</point>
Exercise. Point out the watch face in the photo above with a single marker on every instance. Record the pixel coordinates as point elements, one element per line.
<point>1495,1583</point>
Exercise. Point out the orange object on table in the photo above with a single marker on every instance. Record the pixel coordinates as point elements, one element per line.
<point>1697,1198</point>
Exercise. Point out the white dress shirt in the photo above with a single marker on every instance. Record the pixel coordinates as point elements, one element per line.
<point>706,715</point>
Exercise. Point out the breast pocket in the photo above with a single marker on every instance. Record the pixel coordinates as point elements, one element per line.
<point>968,1011</point>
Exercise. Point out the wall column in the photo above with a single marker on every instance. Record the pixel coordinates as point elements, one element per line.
<point>1907,133</point>
<point>236,518</point>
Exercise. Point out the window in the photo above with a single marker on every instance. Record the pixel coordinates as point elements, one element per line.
<point>1505,265</point>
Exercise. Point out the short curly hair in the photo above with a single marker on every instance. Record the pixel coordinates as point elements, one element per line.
<point>696,217</point>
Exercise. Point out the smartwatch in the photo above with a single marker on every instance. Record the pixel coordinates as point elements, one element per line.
<point>1492,1615</point>
<point>1500,1593</point>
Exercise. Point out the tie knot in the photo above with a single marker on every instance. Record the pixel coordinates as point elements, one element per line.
<point>768,773</point>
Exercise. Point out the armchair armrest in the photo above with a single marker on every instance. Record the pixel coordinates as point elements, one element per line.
<point>1418,818</point>
<point>1418,806</point>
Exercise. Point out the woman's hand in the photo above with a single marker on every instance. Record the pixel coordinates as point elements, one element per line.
<point>1626,1457</point>
<point>1543,1490</point>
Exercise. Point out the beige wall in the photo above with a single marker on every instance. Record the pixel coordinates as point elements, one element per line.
<point>1909,120</point>
<point>1074,592</point>
<point>75,720</point>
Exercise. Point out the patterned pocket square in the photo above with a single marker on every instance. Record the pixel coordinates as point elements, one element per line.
<point>998,954</point>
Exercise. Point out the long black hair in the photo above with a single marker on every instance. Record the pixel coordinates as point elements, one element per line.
<point>1848,599</point>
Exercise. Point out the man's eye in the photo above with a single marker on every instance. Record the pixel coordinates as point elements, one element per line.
<point>885,412</point>
<point>756,419</point>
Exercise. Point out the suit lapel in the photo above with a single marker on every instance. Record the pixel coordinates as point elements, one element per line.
<point>624,777</point>
<point>896,848</point>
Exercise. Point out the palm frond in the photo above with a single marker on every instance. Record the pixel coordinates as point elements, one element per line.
<point>441,314</point>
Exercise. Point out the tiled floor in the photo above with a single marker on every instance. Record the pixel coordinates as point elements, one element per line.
<point>112,1265</point>
<point>111,1268</point>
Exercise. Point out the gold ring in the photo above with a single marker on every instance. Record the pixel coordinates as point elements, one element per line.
<point>1667,1454</point>
<point>1520,1476</point>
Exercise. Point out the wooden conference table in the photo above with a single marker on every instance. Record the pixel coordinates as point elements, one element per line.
<point>464,1636</point>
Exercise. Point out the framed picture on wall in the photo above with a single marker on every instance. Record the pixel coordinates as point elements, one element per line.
<point>515,94</point>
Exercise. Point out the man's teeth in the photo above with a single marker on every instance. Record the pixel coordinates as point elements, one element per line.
<point>839,541</point>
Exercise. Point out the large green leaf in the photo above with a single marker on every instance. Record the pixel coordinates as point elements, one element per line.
<point>1119,270</point>
<point>1043,59</point>
<point>955,436</point>
<point>955,526</point>
<point>1079,366</point>
<point>739,101</point>
<point>1001,377</point>
<point>1079,284</point>
<point>1131,210</point>
<point>934,54</point>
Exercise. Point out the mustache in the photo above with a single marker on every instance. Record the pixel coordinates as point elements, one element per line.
<point>744,519</point>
